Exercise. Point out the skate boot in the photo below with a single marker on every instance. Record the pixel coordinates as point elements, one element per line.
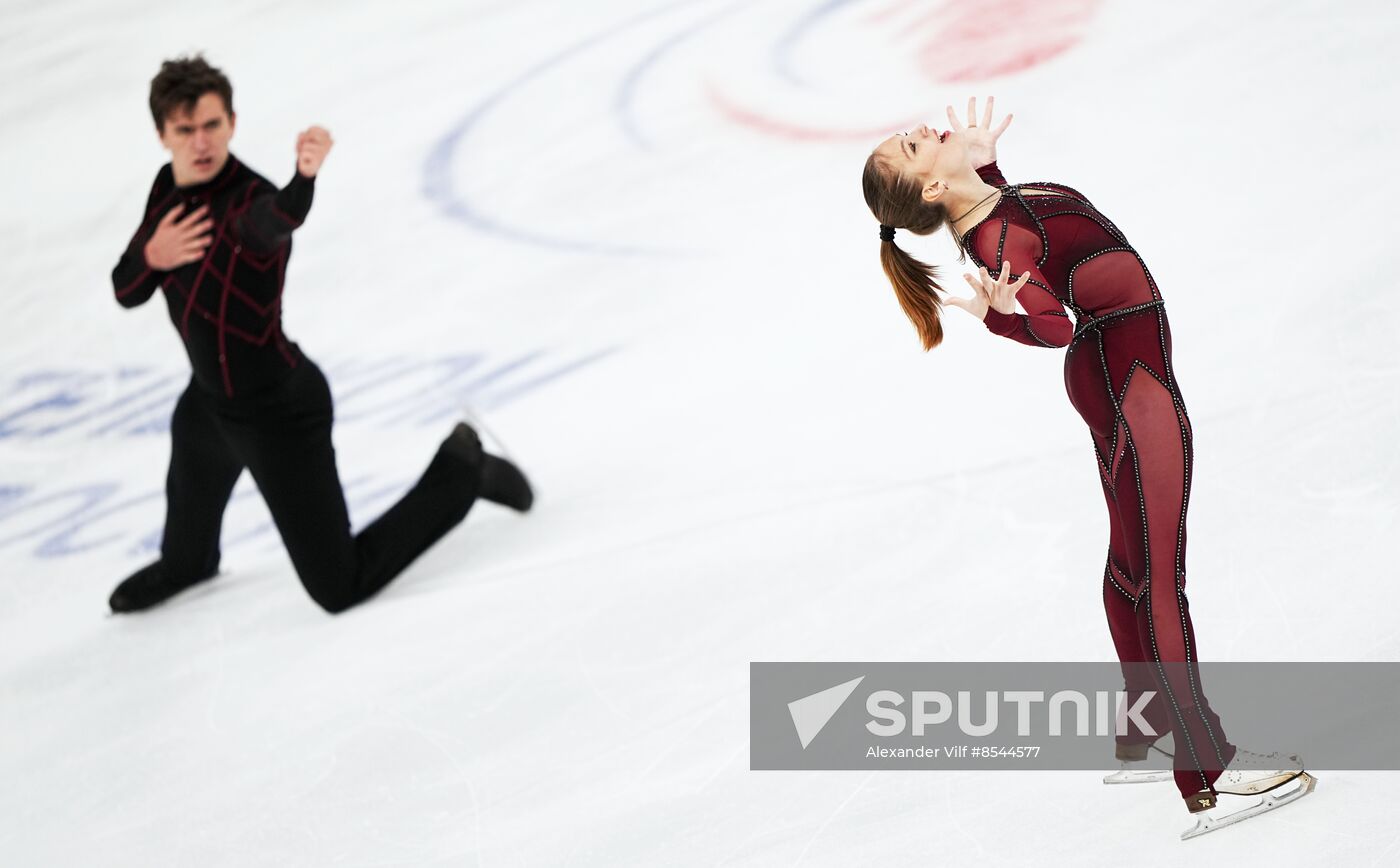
<point>1130,756</point>
<point>1249,774</point>
<point>150,585</point>
<point>501,481</point>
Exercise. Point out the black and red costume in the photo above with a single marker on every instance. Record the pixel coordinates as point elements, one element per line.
<point>1118,373</point>
<point>256,401</point>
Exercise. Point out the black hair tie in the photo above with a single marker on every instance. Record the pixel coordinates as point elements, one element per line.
<point>886,232</point>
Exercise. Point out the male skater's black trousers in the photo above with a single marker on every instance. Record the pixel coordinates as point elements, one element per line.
<point>284,439</point>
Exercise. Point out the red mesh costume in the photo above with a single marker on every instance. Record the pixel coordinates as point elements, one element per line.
<point>1118,373</point>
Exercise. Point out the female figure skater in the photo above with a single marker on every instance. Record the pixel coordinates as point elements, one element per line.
<point>1118,372</point>
<point>215,240</point>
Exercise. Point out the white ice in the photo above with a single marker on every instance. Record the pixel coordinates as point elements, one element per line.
<point>741,452</point>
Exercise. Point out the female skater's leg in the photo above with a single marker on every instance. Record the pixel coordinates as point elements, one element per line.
<point>1153,487</point>
<point>1120,589</point>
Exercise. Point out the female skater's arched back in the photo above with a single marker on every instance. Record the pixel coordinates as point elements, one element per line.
<point>1118,373</point>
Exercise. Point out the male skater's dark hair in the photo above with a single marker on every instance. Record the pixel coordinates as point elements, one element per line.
<point>181,82</point>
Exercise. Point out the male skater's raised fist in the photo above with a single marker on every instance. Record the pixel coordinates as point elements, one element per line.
<point>312,146</point>
<point>178,242</point>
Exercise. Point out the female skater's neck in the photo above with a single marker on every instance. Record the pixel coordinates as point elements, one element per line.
<point>969,201</point>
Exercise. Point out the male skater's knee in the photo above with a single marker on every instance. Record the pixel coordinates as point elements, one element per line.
<point>334,598</point>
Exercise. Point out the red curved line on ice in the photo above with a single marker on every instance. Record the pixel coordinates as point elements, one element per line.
<point>974,41</point>
<point>783,129</point>
<point>990,38</point>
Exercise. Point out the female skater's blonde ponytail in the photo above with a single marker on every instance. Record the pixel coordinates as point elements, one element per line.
<point>898,201</point>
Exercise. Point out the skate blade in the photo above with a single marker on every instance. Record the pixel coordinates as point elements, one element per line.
<point>1270,801</point>
<point>1138,776</point>
<point>1262,785</point>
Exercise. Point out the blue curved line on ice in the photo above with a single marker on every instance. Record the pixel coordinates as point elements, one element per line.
<point>782,51</point>
<point>437,181</point>
<point>626,91</point>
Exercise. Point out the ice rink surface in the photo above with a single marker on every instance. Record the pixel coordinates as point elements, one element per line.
<point>629,236</point>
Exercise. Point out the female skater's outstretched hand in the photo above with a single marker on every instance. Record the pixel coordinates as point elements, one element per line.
<point>998,293</point>
<point>981,139</point>
<point>312,146</point>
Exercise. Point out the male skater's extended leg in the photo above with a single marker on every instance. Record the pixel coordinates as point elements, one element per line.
<point>290,454</point>
<point>201,477</point>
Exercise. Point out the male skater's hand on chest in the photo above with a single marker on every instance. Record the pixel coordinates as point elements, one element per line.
<point>179,238</point>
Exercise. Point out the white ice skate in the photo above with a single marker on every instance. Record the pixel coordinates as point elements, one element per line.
<point>1249,774</point>
<point>1129,756</point>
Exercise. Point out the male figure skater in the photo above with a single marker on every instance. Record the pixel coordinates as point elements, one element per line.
<point>215,239</point>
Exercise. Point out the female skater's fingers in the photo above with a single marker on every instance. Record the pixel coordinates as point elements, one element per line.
<point>953,119</point>
<point>987,114</point>
<point>972,110</point>
<point>972,305</point>
<point>1001,128</point>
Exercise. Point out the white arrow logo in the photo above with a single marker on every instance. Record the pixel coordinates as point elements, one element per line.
<point>811,713</point>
